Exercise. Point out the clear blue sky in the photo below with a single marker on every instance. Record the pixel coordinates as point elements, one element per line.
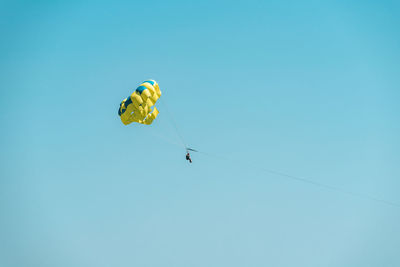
<point>308,88</point>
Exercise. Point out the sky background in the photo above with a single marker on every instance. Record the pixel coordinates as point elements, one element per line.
<point>308,88</point>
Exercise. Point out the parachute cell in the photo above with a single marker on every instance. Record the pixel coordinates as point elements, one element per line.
<point>139,106</point>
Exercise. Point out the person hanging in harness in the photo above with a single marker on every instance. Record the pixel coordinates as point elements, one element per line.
<point>188,157</point>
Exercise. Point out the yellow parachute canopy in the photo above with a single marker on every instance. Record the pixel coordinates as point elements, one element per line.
<point>138,107</point>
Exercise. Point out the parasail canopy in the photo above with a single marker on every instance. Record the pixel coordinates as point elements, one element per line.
<point>139,106</point>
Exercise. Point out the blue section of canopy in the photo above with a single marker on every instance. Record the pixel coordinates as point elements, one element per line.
<point>140,89</point>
